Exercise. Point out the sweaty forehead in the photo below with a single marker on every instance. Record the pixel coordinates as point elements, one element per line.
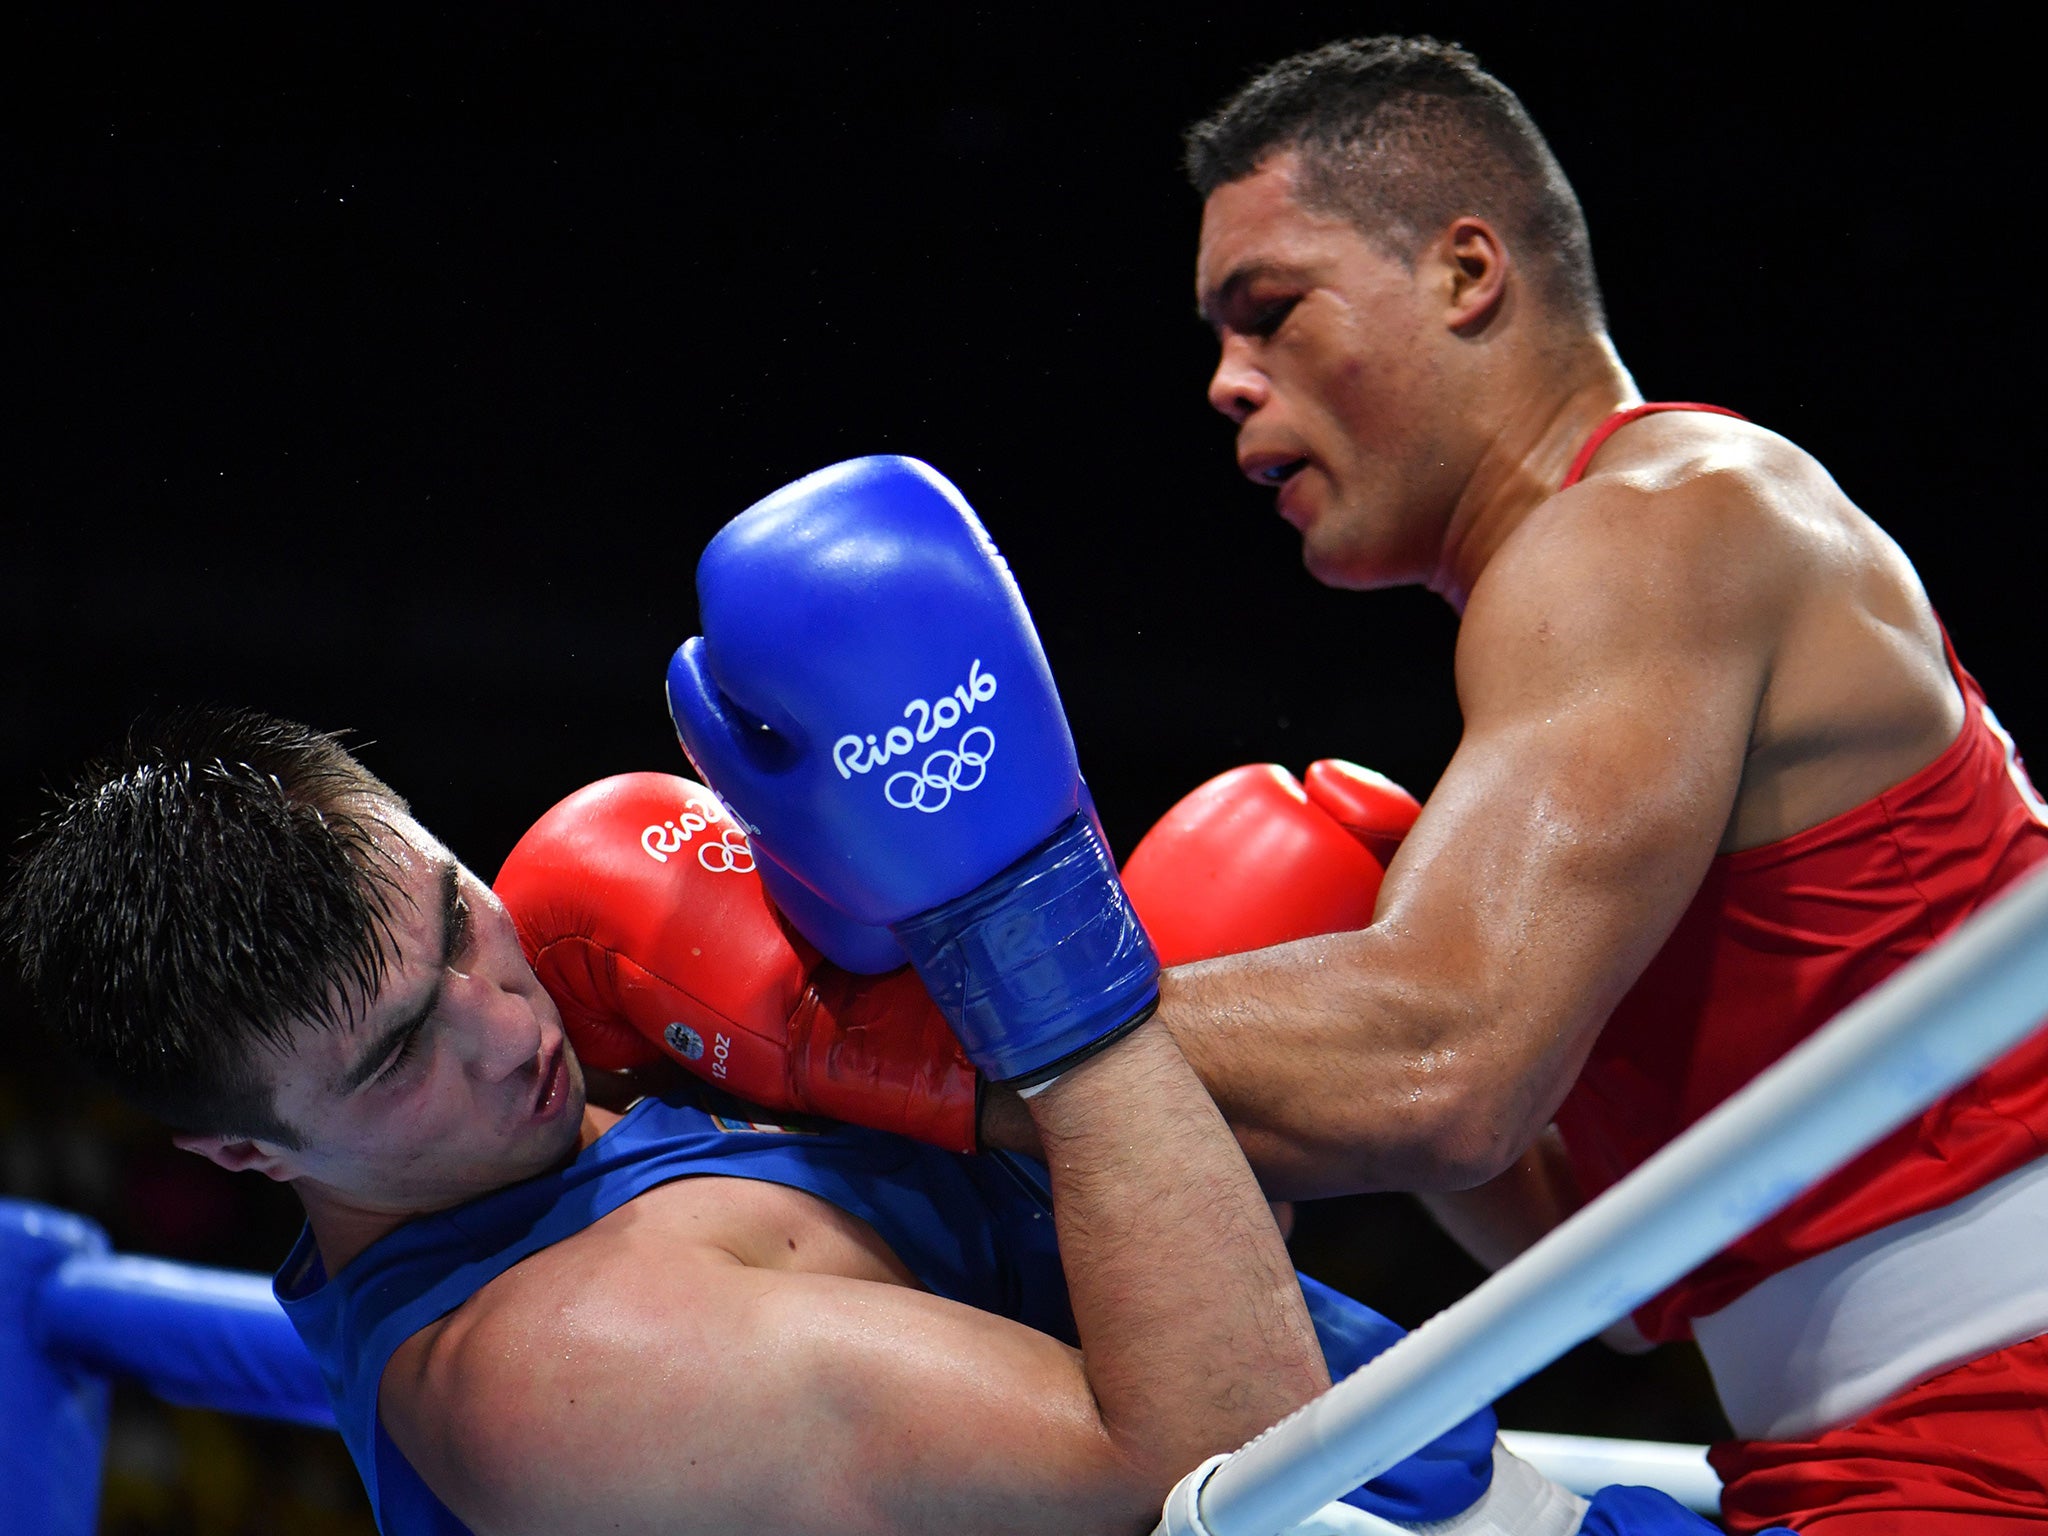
<point>421,867</point>
<point>410,866</point>
<point>400,837</point>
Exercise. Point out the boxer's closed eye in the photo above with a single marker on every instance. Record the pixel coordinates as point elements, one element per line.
<point>1268,318</point>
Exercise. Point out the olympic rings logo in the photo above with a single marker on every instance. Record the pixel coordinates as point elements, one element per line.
<point>728,854</point>
<point>931,788</point>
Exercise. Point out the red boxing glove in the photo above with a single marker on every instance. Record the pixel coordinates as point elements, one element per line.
<point>1251,859</point>
<point>1370,806</point>
<point>638,907</point>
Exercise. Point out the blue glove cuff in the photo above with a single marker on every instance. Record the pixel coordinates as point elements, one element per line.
<point>1443,1479</point>
<point>1041,965</point>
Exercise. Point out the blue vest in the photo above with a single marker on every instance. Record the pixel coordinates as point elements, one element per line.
<point>976,1230</point>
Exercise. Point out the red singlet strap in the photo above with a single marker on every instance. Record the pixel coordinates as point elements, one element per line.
<point>1620,419</point>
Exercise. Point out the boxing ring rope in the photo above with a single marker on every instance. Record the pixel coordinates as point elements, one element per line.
<point>73,1315</point>
<point>1933,1024</point>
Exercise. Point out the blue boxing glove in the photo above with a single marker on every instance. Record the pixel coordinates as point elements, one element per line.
<point>862,948</point>
<point>1620,1510</point>
<point>870,698</point>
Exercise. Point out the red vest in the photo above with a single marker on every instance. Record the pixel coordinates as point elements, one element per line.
<point>1777,941</point>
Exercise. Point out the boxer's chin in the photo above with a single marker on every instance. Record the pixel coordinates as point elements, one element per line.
<point>1336,555</point>
<point>1359,543</point>
<point>1349,568</point>
<point>1306,504</point>
<point>1334,573</point>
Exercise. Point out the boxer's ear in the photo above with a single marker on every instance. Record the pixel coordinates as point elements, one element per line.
<point>1475,266</point>
<point>240,1154</point>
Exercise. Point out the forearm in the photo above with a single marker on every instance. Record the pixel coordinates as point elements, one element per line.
<point>1343,1067</point>
<point>1192,1326</point>
<point>1335,1076</point>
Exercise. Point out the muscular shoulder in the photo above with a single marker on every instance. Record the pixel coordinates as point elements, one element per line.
<point>1706,559</point>
<point>1690,547</point>
<point>1701,511</point>
<point>533,1393</point>
<point>1716,456</point>
<point>483,1401</point>
<point>1712,518</point>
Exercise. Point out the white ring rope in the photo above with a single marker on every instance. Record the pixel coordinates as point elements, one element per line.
<point>1933,1024</point>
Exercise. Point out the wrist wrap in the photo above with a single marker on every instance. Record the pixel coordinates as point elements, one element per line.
<point>1042,965</point>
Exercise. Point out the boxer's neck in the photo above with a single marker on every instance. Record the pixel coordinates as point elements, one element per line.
<point>344,1224</point>
<point>341,1227</point>
<point>1541,419</point>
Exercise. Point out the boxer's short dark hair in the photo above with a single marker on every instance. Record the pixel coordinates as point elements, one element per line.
<point>193,899</point>
<point>1401,135</point>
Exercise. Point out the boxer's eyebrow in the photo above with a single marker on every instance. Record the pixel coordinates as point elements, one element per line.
<point>454,930</point>
<point>1210,306</point>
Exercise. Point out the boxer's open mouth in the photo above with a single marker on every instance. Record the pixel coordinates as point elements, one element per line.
<point>1280,474</point>
<point>554,1078</point>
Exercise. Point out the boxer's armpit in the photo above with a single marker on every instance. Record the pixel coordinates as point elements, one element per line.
<point>1497,1221</point>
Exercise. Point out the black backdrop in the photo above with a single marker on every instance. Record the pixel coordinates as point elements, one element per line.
<point>389,373</point>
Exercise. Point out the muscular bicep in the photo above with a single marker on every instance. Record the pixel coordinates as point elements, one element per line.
<point>1608,707</point>
<point>710,1396</point>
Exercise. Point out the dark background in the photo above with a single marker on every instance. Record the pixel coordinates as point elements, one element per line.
<point>390,373</point>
